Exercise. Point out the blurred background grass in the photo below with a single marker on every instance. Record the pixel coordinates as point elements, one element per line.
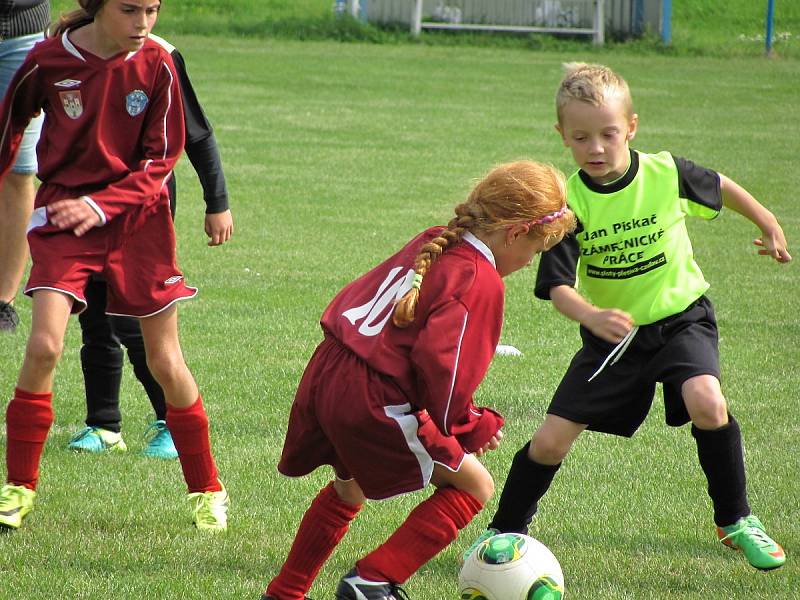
<point>699,27</point>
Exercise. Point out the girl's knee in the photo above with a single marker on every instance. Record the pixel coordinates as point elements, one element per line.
<point>483,489</point>
<point>471,477</point>
<point>349,491</point>
<point>477,482</point>
<point>166,368</point>
<point>44,350</point>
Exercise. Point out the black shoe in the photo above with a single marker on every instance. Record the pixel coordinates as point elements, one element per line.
<point>353,587</point>
<point>9,319</point>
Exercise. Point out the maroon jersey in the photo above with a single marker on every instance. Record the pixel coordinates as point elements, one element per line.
<point>113,127</point>
<point>440,359</point>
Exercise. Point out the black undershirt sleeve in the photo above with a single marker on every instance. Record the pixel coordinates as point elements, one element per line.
<point>201,145</point>
<point>558,266</point>
<point>698,184</point>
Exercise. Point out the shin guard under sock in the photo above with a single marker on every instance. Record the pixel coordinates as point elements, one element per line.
<point>321,529</point>
<point>430,528</point>
<point>526,483</point>
<point>189,429</point>
<point>28,420</point>
<point>722,460</point>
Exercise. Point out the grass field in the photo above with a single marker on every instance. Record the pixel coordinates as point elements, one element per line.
<point>335,154</point>
<point>699,27</point>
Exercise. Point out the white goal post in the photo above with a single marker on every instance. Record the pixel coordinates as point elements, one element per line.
<point>457,15</point>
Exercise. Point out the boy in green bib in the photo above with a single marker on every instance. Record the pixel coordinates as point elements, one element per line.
<point>644,318</point>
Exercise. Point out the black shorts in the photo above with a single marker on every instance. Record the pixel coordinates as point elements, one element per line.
<point>618,399</point>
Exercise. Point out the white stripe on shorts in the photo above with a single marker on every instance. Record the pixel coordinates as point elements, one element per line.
<point>409,425</point>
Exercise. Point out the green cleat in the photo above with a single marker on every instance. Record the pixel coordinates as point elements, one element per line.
<point>16,501</point>
<point>160,444</point>
<point>748,535</point>
<point>490,532</point>
<point>210,511</point>
<point>97,439</point>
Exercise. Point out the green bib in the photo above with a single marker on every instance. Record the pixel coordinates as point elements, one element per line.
<point>635,251</point>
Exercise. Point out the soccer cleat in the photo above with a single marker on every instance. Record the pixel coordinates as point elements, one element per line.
<point>353,587</point>
<point>160,444</point>
<point>16,501</point>
<point>490,532</point>
<point>97,439</point>
<point>748,535</point>
<point>210,511</point>
<point>9,319</point>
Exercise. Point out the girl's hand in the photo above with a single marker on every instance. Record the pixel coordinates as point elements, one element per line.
<point>610,325</point>
<point>73,213</point>
<point>773,243</point>
<point>492,444</point>
<point>219,227</point>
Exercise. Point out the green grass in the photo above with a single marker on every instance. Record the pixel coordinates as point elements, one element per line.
<point>335,155</point>
<point>730,28</point>
<point>734,28</point>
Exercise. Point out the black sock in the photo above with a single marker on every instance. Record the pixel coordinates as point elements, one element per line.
<point>526,483</point>
<point>722,460</point>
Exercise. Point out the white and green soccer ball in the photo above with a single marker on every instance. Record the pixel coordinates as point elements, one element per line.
<point>511,566</point>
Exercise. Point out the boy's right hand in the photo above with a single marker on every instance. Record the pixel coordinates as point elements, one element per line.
<point>773,243</point>
<point>611,324</point>
<point>492,444</point>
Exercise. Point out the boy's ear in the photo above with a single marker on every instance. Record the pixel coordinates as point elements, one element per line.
<point>633,124</point>
<point>560,131</point>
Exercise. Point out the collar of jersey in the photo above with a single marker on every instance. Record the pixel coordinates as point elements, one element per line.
<point>479,246</point>
<point>617,184</point>
<point>86,56</point>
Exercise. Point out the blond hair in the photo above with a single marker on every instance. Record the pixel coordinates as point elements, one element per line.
<point>595,84</point>
<point>513,193</point>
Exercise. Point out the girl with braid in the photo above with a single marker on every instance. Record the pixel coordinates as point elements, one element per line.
<point>387,398</point>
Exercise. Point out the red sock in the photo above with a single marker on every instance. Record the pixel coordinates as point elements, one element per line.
<point>189,429</point>
<point>28,420</point>
<point>323,526</point>
<point>428,530</point>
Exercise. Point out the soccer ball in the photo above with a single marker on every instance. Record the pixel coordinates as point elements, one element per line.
<point>511,566</point>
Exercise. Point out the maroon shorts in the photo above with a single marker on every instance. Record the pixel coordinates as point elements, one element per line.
<point>134,252</point>
<point>351,417</point>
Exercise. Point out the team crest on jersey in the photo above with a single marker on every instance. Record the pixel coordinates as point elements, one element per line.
<point>71,101</point>
<point>135,102</point>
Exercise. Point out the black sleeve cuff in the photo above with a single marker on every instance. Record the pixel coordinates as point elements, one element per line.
<point>557,266</point>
